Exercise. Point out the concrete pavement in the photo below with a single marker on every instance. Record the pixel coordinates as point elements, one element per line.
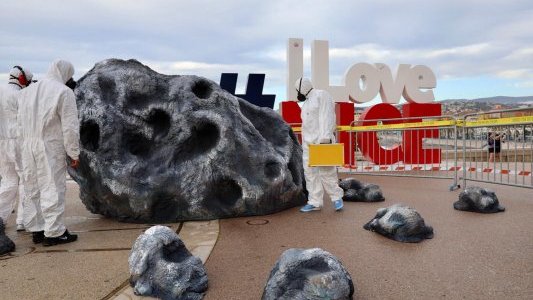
<point>95,266</point>
<point>472,256</point>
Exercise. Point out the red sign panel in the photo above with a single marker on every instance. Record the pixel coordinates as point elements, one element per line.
<point>411,150</point>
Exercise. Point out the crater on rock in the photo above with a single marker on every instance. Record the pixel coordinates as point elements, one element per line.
<point>90,135</point>
<point>202,89</point>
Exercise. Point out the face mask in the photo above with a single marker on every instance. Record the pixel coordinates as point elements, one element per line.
<point>71,84</point>
<point>22,81</point>
<point>301,97</point>
<point>14,80</point>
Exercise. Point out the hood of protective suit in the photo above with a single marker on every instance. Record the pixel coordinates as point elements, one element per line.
<point>15,73</point>
<point>305,87</point>
<point>61,70</point>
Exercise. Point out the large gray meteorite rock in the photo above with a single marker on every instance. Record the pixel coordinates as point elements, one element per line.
<point>159,148</point>
<point>308,274</point>
<point>477,199</point>
<point>400,223</point>
<point>6,244</point>
<point>356,191</point>
<point>162,267</point>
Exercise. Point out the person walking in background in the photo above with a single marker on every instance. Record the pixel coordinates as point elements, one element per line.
<point>10,160</point>
<point>495,143</point>
<point>318,126</point>
<point>48,118</point>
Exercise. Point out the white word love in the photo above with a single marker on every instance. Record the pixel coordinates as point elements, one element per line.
<point>362,81</point>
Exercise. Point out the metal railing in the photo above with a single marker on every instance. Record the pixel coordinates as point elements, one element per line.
<point>498,147</point>
<point>408,147</point>
<point>454,148</point>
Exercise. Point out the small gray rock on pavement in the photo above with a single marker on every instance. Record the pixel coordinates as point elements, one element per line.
<point>477,199</point>
<point>308,274</point>
<point>400,223</point>
<point>161,266</point>
<point>6,244</point>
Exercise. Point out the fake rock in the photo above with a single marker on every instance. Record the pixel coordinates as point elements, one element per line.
<point>308,274</point>
<point>477,199</point>
<point>160,148</point>
<point>6,244</point>
<point>162,267</point>
<point>400,223</point>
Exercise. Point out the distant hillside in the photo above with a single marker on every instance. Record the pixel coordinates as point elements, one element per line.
<point>497,99</point>
<point>466,106</point>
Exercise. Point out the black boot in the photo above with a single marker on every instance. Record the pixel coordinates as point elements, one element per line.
<point>62,239</point>
<point>37,237</point>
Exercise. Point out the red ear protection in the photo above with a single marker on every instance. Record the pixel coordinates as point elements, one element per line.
<point>22,77</point>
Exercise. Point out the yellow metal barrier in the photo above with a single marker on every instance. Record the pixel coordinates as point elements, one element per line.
<point>500,121</point>
<point>459,123</point>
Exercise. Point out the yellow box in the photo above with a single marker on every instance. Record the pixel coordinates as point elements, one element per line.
<point>326,155</point>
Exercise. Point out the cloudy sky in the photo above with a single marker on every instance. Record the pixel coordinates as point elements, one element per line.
<point>476,48</point>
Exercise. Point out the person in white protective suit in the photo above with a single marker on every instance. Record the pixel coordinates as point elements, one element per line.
<point>48,119</point>
<point>10,163</point>
<point>318,127</point>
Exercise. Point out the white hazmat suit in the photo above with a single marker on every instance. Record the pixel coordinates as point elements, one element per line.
<point>318,126</point>
<point>10,159</point>
<point>49,124</point>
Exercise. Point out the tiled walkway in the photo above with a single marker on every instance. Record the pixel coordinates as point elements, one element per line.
<point>95,266</point>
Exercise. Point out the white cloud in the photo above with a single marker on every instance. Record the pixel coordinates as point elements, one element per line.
<point>525,84</point>
<point>516,73</point>
<point>181,67</point>
<point>524,77</point>
<point>213,71</point>
<point>456,38</point>
<point>468,50</point>
<point>372,52</point>
<point>525,55</point>
<point>279,54</point>
<point>4,77</point>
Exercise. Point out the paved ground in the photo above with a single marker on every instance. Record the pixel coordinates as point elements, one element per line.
<point>471,257</point>
<point>94,267</point>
